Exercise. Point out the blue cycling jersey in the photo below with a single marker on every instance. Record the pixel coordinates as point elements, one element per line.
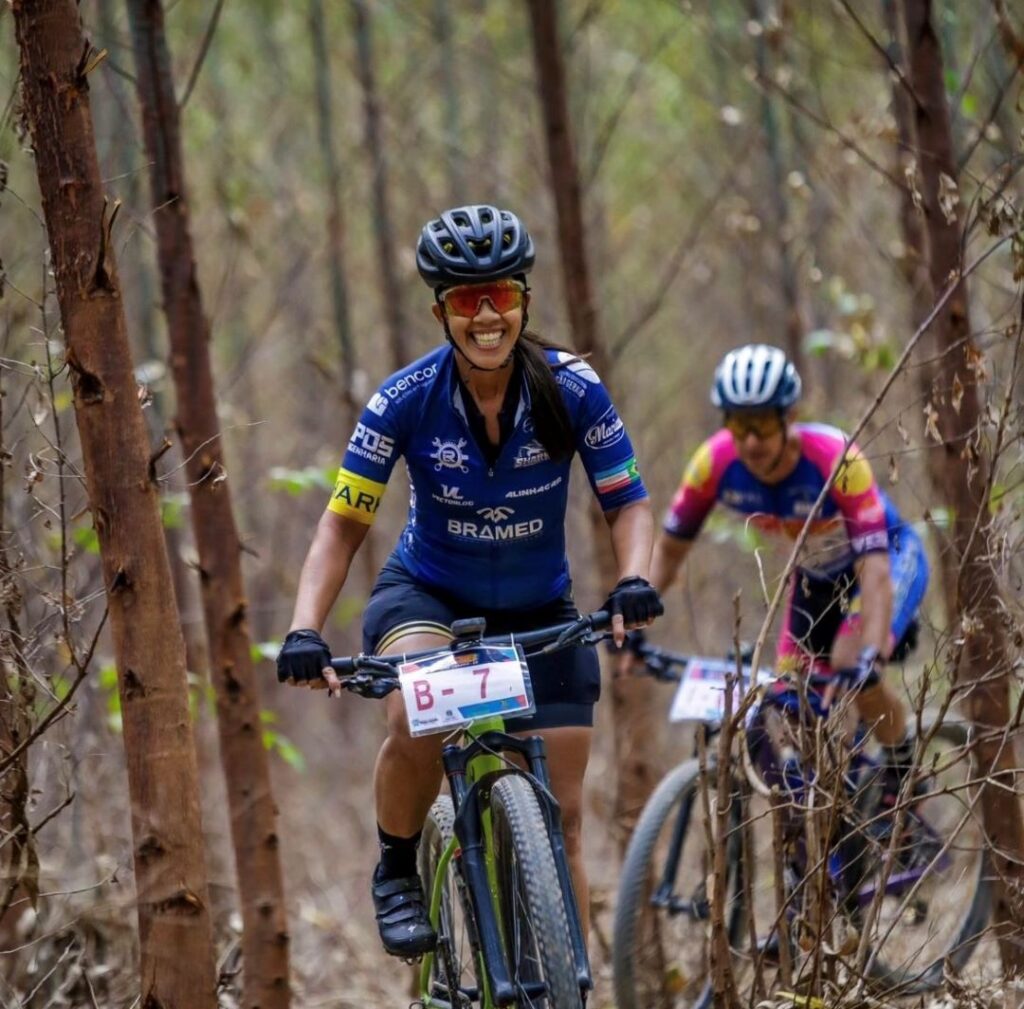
<point>493,534</point>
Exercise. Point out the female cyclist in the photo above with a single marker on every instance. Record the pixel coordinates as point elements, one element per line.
<point>488,425</point>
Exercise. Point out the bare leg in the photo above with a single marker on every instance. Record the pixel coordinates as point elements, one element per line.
<point>879,706</point>
<point>408,774</point>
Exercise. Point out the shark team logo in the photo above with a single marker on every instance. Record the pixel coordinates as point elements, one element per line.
<point>449,455</point>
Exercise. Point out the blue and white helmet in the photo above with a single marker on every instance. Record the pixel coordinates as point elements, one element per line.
<point>755,376</point>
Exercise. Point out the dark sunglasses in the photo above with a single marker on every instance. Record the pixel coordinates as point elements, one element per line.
<point>763,424</point>
<point>464,301</point>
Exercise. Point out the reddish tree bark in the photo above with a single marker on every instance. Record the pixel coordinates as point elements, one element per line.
<point>632,700</point>
<point>244,758</point>
<point>382,226</point>
<point>984,662</point>
<point>170,875</point>
<point>914,266</point>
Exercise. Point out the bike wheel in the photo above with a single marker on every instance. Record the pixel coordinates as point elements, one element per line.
<point>660,939</point>
<point>532,910</point>
<point>452,972</point>
<point>930,910</point>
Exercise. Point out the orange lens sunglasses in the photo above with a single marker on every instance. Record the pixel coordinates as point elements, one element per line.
<point>464,301</point>
<point>762,425</point>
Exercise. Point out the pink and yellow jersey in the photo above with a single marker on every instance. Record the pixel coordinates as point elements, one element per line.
<point>856,517</point>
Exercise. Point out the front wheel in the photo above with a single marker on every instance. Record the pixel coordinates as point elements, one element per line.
<point>532,912</point>
<point>661,935</point>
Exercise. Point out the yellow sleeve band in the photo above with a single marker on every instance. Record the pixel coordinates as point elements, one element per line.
<point>356,497</point>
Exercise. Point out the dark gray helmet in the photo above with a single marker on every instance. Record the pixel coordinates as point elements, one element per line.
<point>755,376</point>
<point>475,243</point>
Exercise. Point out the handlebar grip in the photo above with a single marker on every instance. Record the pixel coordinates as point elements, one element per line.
<point>344,666</point>
<point>600,621</point>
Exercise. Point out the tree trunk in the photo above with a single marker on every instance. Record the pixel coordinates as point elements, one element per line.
<point>451,138</point>
<point>781,224</point>
<point>245,759</point>
<point>382,228</point>
<point>984,663</point>
<point>19,861</point>
<point>170,876</point>
<point>336,247</point>
<point>335,219</point>
<point>633,702</point>
<point>914,266</point>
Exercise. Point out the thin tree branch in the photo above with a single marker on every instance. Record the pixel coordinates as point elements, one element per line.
<point>883,52</point>
<point>203,50</point>
<point>604,136</point>
<point>989,119</point>
<point>850,145</point>
<point>678,257</point>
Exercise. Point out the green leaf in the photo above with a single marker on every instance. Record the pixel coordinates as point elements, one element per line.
<point>108,677</point>
<point>260,650</point>
<point>86,538</point>
<point>820,341</point>
<point>969,106</point>
<point>299,481</point>
<point>172,510</point>
<point>268,717</point>
<point>274,742</point>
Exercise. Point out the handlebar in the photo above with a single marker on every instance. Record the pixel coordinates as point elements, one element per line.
<point>376,675</point>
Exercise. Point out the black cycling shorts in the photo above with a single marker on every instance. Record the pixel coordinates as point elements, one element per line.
<point>566,684</point>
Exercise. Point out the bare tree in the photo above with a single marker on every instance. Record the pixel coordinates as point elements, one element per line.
<point>173,907</point>
<point>246,766</point>
<point>633,701</point>
<point>764,14</point>
<point>19,861</point>
<point>914,263</point>
<point>383,229</point>
<point>964,481</point>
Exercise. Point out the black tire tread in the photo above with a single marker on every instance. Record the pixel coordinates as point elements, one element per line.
<point>513,799</point>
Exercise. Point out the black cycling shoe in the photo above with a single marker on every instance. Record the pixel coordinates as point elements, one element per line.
<point>402,916</point>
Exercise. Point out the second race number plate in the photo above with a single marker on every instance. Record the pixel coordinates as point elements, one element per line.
<point>449,689</point>
<point>700,696</point>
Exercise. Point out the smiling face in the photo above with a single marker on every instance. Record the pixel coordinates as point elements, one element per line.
<point>484,320</point>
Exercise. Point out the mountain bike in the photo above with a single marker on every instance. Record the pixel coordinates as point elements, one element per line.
<point>492,854</point>
<point>895,896</point>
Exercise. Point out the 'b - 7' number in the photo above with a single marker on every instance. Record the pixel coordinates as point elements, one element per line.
<point>425,696</point>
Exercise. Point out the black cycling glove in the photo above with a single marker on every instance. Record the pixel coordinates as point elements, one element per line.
<point>303,657</point>
<point>636,599</point>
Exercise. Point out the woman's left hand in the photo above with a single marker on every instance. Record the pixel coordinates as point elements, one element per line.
<point>634,602</point>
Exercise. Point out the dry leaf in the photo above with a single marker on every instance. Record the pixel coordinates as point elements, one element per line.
<point>958,394</point>
<point>902,430</point>
<point>975,360</point>
<point>894,470</point>
<point>931,428</point>
<point>949,197</point>
<point>910,177</point>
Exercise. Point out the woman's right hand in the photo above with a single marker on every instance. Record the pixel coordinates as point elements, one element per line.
<point>304,659</point>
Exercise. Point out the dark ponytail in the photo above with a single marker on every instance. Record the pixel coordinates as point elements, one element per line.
<point>551,419</point>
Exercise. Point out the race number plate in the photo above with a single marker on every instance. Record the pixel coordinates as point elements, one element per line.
<point>700,696</point>
<point>450,689</point>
